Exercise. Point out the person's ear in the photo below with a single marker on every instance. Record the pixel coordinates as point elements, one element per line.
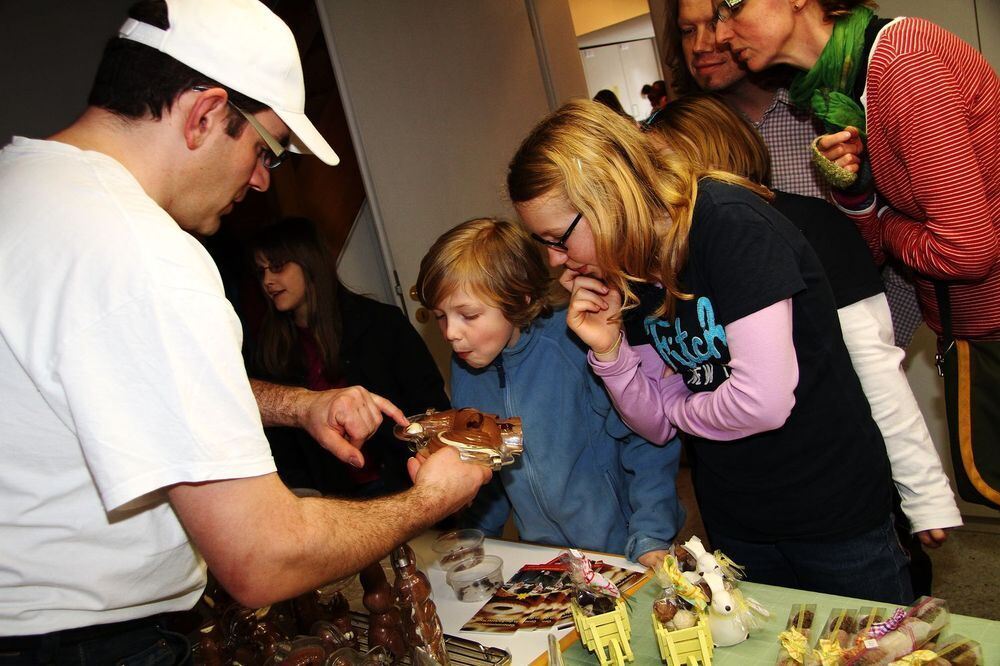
<point>205,113</point>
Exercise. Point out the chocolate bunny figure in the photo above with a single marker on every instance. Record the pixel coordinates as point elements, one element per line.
<point>412,592</point>
<point>384,623</point>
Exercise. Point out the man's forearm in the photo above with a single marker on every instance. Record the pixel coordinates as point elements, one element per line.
<point>265,545</point>
<point>279,405</point>
<point>357,533</point>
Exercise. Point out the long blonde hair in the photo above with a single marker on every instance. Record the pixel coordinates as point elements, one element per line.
<point>638,201</point>
<point>706,131</point>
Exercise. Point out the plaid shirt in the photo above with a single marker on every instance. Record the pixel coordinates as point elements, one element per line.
<point>788,131</point>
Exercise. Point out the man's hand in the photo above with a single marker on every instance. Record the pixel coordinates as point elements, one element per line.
<point>844,149</point>
<point>591,304</point>
<point>444,474</point>
<point>653,559</point>
<point>932,538</point>
<point>341,420</point>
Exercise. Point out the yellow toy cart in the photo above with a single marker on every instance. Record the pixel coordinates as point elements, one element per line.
<point>685,647</point>
<point>606,635</point>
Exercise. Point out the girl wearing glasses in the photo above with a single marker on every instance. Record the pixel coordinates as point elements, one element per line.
<point>914,112</point>
<point>584,480</point>
<point>320,335</point>
<point>706,312</point>
<point>707,131</point>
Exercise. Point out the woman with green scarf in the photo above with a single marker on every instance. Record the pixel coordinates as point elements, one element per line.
<point>921,108</point>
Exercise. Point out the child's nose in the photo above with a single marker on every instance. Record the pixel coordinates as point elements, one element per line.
<point>556,257</point>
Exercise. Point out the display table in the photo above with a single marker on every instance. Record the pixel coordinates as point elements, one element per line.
<point>528,647</point>
<point>762,646</point>
<point>523,646</point>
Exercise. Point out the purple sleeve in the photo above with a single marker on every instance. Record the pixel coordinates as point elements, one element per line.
<point>758,396</point>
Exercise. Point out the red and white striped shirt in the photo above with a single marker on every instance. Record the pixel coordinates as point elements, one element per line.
<point>933,117</point>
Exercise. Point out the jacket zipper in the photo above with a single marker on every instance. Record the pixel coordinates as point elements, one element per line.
<point>532,479</point>
<point>501,375</point>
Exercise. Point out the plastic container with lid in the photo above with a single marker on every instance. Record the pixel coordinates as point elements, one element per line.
<point>457,546</point>
<point>477,578</point>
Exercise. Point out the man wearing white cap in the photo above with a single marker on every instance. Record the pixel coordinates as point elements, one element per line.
<point>131,437</point>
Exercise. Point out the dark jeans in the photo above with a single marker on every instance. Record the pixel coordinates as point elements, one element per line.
<point>137,644</point>
<point>870,566</point>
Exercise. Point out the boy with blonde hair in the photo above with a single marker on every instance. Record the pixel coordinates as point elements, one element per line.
<point>585,479</point>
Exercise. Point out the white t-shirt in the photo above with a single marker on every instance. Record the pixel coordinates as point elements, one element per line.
<point>120,375</point>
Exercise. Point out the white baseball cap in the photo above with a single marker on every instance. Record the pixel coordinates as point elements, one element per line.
<point>243,45</point>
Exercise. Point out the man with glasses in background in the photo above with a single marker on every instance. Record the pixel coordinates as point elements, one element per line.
<point>133,448</point>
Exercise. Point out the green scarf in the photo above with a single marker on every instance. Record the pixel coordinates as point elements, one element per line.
<point>826,88</point>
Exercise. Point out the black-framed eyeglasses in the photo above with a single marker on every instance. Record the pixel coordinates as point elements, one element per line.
<point>274,153</point>
<point>727,9</point>
<point>560,243</point>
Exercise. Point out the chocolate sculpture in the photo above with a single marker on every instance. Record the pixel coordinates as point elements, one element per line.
<point>481,438</point>
<point>326,604</point>
<point>412,592</point>
<point>384,623</point>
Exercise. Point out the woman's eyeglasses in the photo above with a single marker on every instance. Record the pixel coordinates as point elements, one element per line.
<point>560,243</point>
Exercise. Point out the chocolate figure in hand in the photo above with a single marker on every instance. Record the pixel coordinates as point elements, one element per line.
<point>482,438</point>
<point>385,627</point>
<point>412,593</point>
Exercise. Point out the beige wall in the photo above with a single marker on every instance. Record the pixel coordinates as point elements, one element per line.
<point>439,95</point>
<point>590,15</point>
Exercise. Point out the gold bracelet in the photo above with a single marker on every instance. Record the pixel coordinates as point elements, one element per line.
<point>614,347</point>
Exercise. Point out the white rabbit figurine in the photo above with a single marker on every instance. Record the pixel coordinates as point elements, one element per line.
<point>725,617</point>
<point>704,560</point>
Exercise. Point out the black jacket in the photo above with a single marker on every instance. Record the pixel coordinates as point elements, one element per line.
<point>382,352</point>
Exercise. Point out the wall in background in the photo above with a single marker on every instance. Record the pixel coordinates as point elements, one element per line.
<point>590,15</point>
<point>437,112</point>
<point>50,53</point>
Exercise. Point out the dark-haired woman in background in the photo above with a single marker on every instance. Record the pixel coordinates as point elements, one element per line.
<point>320,335</point>
<point>609,99</point>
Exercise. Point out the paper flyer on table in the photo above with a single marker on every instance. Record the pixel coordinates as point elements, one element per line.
<point>538,597</point>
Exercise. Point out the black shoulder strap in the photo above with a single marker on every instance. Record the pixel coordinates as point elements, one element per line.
<point>871,32</point>
<point>944,309</point>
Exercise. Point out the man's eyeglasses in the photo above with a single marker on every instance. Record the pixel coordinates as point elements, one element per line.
<point>274,153</point>
<point>560,243</point>
<point>727,9</point>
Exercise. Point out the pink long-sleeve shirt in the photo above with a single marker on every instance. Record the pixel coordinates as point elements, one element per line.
<point>758,396</point>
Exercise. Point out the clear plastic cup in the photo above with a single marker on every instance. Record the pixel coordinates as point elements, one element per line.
<point>456,546</point>
<point>476,579</point>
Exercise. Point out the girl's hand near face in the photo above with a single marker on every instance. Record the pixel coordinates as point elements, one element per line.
<point>844,149</point>
<point>591,304</point>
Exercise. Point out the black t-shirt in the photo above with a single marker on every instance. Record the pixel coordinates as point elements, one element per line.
<point>838,244</point>
<point>824,474</point>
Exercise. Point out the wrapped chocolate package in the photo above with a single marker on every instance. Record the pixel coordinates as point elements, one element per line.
<point>837,635</point>
<point>794,640</point>
<point>952,651</point>
<point>906,631</point>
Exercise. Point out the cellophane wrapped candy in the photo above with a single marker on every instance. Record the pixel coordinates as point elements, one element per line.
<point>837,636</point>
<point>950,651</point>
<point>904,632</point>
<point>794,639</point>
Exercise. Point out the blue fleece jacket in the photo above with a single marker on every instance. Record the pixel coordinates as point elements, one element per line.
<point>584,480</point>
